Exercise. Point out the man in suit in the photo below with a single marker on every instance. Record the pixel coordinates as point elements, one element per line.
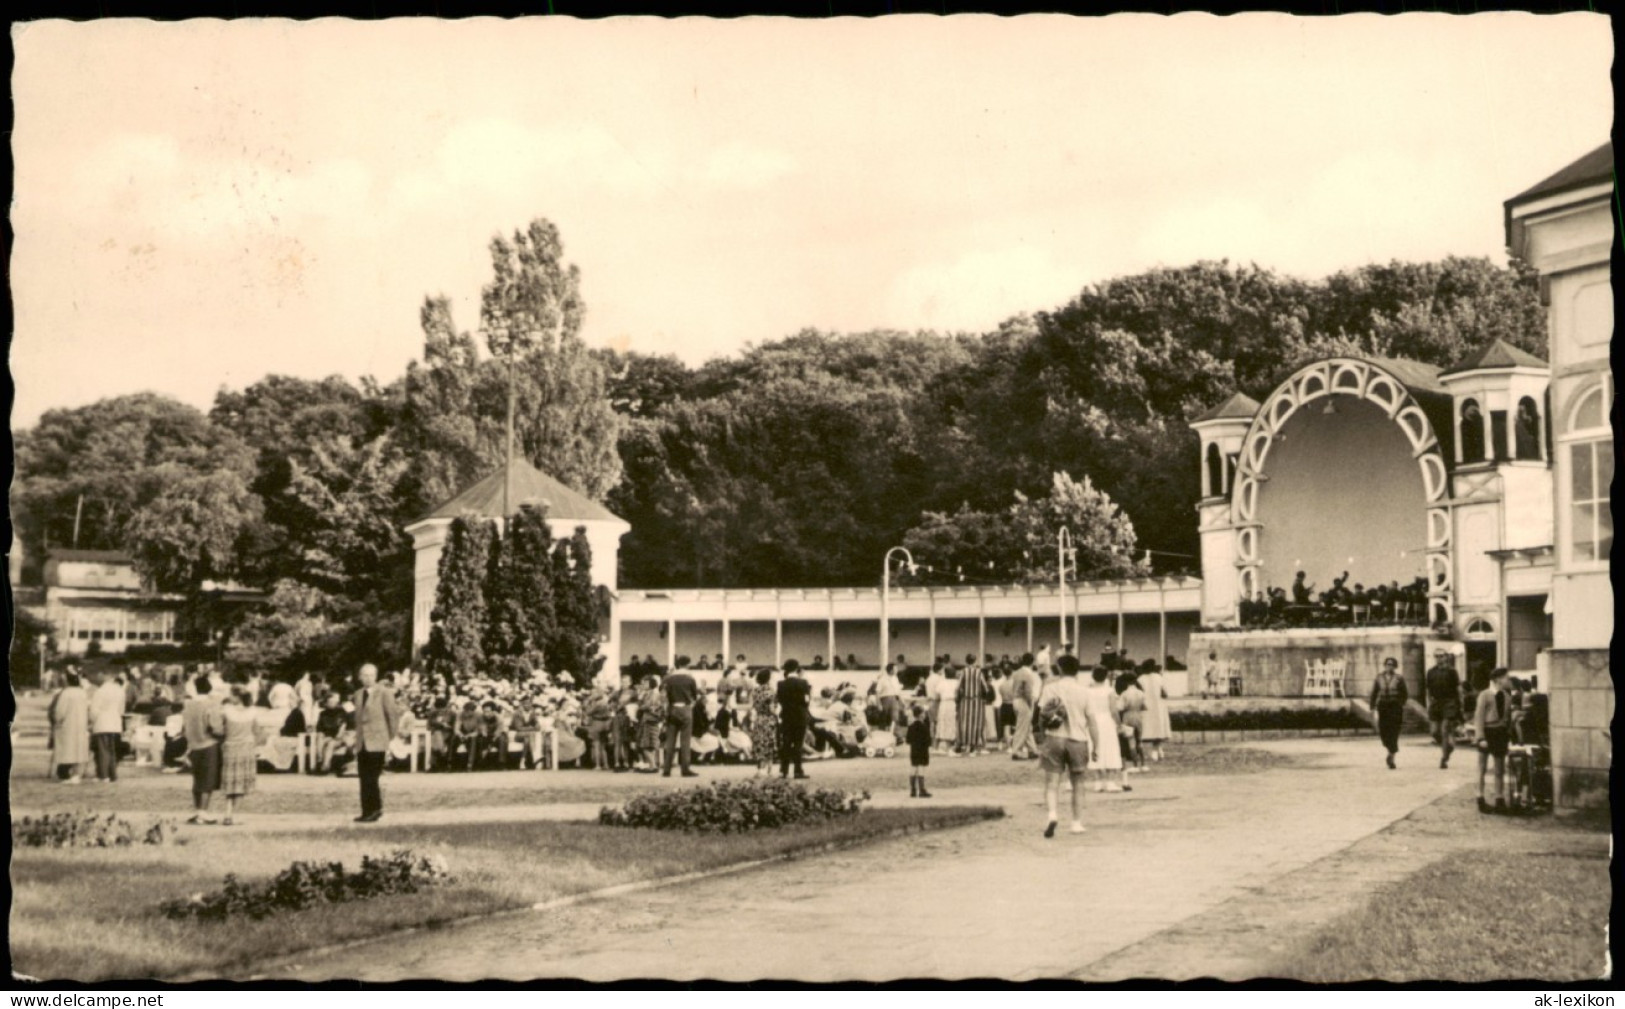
<point>681,694</point>
<point>1444,702</point>
<point>377,715</point>
<point>1388,697</point>
<point>795,701</point>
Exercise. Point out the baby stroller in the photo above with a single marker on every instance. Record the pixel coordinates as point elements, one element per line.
<point>880,743</point>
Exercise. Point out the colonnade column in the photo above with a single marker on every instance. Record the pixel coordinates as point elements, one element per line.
<point>671,644</point>
<point>727,647</point>
<point>778,643</point>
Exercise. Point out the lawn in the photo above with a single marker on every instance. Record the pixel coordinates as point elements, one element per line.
<point>91,914</point>
<point>147,792</point>
<point>1507,898</point>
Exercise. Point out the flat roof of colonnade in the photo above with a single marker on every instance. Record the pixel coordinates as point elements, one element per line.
<point>1175,594</point>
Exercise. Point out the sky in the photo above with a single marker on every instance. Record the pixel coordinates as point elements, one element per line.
<point>199,204</point>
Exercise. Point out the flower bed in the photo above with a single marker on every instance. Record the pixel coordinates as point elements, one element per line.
<point>85,830</point>
<point>1267,719</point>
<point>733,807</point>
<point>306,884</point>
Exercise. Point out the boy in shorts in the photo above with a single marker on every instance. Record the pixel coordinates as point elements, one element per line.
<point>1067,742</point>
<point>919,753</point>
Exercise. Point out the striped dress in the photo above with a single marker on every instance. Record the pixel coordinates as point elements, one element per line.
<point>972,708</point>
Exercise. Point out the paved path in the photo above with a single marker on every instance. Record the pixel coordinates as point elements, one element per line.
<point>994,900</point>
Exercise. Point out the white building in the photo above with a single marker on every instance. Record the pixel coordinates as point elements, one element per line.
<point>1563,226</point>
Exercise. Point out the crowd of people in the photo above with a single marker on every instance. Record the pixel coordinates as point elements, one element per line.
<point>1097,724</point>
<point>1340,603</point>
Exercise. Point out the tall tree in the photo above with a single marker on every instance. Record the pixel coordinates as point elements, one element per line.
<point>574,645</point>
<point>118,456</point>
<point>519,600</point>
<point>459,616</point>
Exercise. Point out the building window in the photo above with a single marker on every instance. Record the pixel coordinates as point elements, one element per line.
<point>1215,472</point>
<point>1588,453</point>
<point>1591,471</point>
<point>1472,432</point>
<point>1481,628</point>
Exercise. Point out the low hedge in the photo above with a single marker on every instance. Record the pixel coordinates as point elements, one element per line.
<point>1266,719</point>
<point>86,830</point>
<point>733,807</point>
<point>305,884</point>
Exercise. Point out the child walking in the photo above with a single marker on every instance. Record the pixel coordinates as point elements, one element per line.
<point>919,753</point>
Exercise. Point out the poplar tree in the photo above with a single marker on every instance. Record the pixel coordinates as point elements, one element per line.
<point>519,595</point>
<point>458,620</point>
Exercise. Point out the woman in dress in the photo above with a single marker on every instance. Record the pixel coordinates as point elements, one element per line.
<point>70,730</point>
<point>971,700</point>
<point>239,754</point>
<point>651,718</point>
<point>1158,728</point>
<point>764,722</point>
<point>1103,708</point>
<point>947,724</point>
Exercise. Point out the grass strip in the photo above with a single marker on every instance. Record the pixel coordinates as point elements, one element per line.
<point>91,914</point>
<point>1474,918</point>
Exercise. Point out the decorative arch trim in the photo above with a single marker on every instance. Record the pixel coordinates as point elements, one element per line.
<point>1369,381</point>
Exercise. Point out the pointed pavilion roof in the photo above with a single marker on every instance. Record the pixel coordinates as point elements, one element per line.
<point>1238,405</point>
<point>530,486</point>
<point>1498,354</point>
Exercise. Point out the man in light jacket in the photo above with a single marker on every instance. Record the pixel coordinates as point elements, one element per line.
<point>377,717</point>
<point>1024,690</point>
<point>106,725</point>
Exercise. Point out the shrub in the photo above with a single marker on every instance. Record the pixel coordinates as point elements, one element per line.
<point>1280,718</point>
<point>733,807</point>
<point>86,830</point>
<point>305,884</point>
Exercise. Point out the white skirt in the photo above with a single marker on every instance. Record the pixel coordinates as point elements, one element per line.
<point>1109,755</point>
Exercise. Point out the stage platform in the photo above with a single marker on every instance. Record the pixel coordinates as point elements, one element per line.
<point>1295,662</point>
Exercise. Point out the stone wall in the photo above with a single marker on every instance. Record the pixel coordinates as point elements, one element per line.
<point>1275,663</point>
<point>1582,706</point>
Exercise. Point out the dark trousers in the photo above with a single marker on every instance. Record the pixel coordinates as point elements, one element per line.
<point>104,747</point>
<point>679,735</point>
<point>370,765</point>
<point>792,735</point>
<point>1388,722</point>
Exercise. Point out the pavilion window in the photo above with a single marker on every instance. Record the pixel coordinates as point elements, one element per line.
<point>1472,432</point>
<point>1215,472</point>
<point>1526,430</point>
<point>1498,435</point>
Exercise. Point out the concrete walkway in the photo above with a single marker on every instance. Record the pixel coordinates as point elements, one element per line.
<point>995,900</point>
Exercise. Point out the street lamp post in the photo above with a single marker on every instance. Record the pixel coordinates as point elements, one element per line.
<point>1064,552</point>
<point>885,598</point>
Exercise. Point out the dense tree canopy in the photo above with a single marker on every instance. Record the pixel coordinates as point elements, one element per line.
<point>796,462</point>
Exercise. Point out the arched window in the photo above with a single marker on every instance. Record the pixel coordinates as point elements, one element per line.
<point>1526,430</point>
<point>1480,627</point>
<point>1215,471</point>
<point>1472,432</point>
<point>1587,453</point>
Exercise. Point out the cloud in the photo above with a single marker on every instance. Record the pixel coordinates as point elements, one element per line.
<point>147,185</point>
<point>498,157</point>
<point>980,289</point>
<point>745,166</point>
<point>1224,228</point>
